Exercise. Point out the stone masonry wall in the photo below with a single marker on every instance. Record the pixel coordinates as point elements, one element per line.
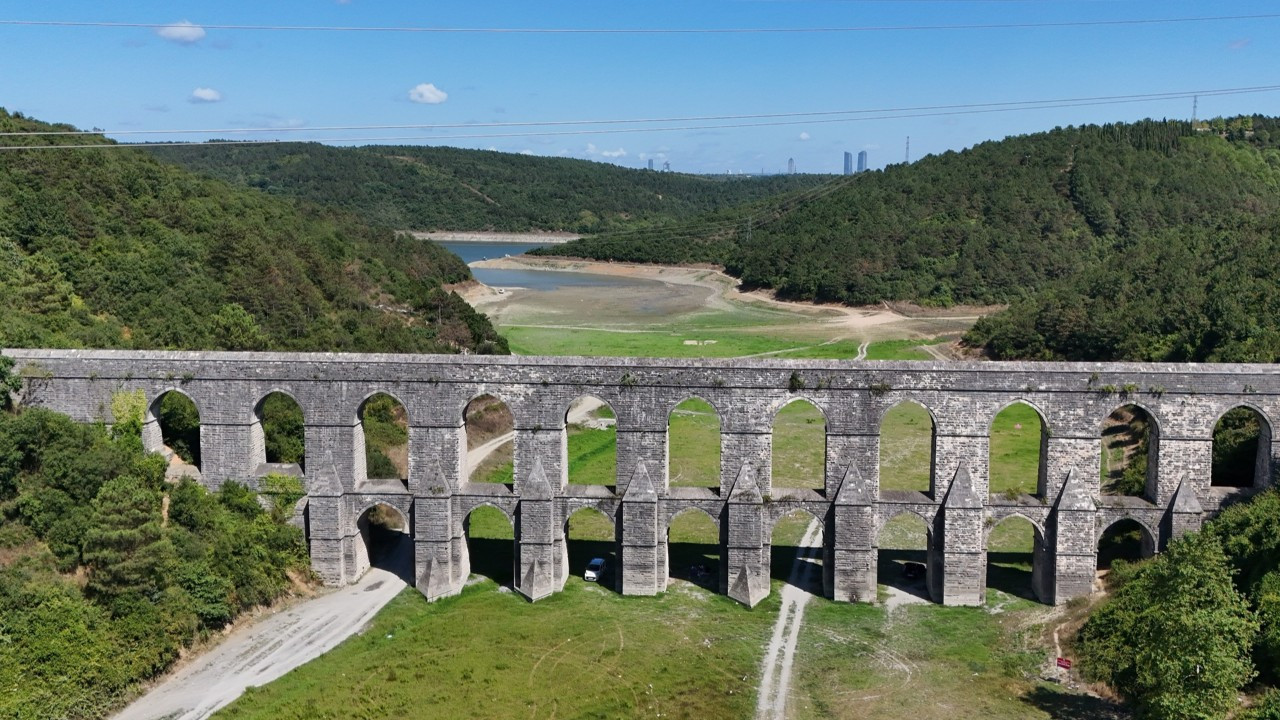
<point>1184,402</point>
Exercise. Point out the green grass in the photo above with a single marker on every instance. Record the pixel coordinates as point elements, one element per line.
<point>928,663</point>
<point>593,456</point>
<point>582,653</point>
<point>799,446</point>
<point>1015,450</point>
<point>694,437</point>
<point>906,442</point>
<point>525,340</point>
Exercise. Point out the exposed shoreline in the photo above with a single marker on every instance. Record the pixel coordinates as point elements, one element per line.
<point>708,276</point>
<point>479,236</point>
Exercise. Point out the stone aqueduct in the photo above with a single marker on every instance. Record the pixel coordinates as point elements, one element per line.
<point>1068,511</point>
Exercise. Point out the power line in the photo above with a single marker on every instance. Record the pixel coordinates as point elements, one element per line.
<point>652,31</point>
<point>1133,97</point>
<point>609,131</point>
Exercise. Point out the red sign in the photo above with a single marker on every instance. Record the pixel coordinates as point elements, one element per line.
<point>1064,663</point>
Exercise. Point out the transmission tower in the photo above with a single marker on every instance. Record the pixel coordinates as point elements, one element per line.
<point>908,149</point>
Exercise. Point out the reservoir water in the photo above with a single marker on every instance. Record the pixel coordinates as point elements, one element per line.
<point>531,279</point>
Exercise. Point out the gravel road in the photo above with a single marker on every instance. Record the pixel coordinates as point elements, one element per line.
<point>273,645</point>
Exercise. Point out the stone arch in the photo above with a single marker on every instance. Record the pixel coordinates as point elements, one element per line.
<point>383,540</point>
<point>796,459</point>
<point>907,461</point>
<point>1124,548</point>
<point>799,560</point>
<point>589,442</point>
<point>491,542</point>
<point>673,513</point>
<point>776,406</point>
<point>894,511</point>
<point>167,428</point>
<point>1011,567</point>
<point>794,510</point>
<point>594,534</point>
<point>1006,443</point>
<point>694,552</point>
<point>901,561</point>
<point>288,450</point>
<point>508,513</point>
<point>483,419</point>
<point>694,444</point>
<point>1123,448</point>
<point>382,444</point>
<point>1242,454</point>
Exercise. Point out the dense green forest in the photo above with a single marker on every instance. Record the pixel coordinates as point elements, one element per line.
<point>1181,634</point>
<point>444,188</point>
<point>108,572</point>
<point>113,248</point>
<point>1153,240</point>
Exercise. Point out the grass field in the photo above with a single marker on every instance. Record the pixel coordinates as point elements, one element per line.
<point>928,662</point>
<point>1015,450</point>
<point>694,445</point>
<point>799,446</point>
<point>582,653</point>
<point>906,448</point>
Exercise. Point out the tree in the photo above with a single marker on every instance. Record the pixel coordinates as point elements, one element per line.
<point>235,329</point>
<point>1175,638</point>
<point>124,547</point>
<point>9,383</point>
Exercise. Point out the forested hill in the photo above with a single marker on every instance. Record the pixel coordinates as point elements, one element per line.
<point>113,248</point>
<point>443,188</point>
<point>1146,241</point>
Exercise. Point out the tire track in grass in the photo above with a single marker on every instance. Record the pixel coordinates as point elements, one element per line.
<point>775,678</point>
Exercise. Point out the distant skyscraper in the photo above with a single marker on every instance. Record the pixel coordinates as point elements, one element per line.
<point>848,163</point>
<point>791,166</point>
<point>862,160</point>
<point>650,163</point>
<point>666,166</point>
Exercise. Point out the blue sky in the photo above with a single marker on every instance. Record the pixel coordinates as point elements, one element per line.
<point>134,78</point>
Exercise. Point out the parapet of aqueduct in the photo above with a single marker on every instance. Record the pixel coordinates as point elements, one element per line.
<point>1068,511</point>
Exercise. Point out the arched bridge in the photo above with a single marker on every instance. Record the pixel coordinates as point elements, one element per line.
<point>1068,510</point>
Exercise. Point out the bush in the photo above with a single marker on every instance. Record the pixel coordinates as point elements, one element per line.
<point>1175,638</point>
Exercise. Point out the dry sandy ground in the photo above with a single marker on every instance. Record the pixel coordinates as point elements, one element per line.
<point>268,648</point>
<point>662,292</point>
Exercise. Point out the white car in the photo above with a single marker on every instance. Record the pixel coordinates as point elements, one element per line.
<point>595,570</point>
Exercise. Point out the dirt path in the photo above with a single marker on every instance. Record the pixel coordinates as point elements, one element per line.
<point>271,646</point>
<point>775,680</point>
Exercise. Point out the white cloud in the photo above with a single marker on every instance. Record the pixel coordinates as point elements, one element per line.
<point>526,151</point>
<point>205,95</point>
<point>593,150</point>
<point>183,31</point>
<point>804,136</point>
<point>428,94</point>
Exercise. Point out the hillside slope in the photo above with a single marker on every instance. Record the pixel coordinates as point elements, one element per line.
<point>113,248</point>
<point>443,188</point>
<point>1144,241</point>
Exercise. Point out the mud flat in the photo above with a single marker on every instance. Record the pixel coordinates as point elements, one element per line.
<point>650,297</point>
